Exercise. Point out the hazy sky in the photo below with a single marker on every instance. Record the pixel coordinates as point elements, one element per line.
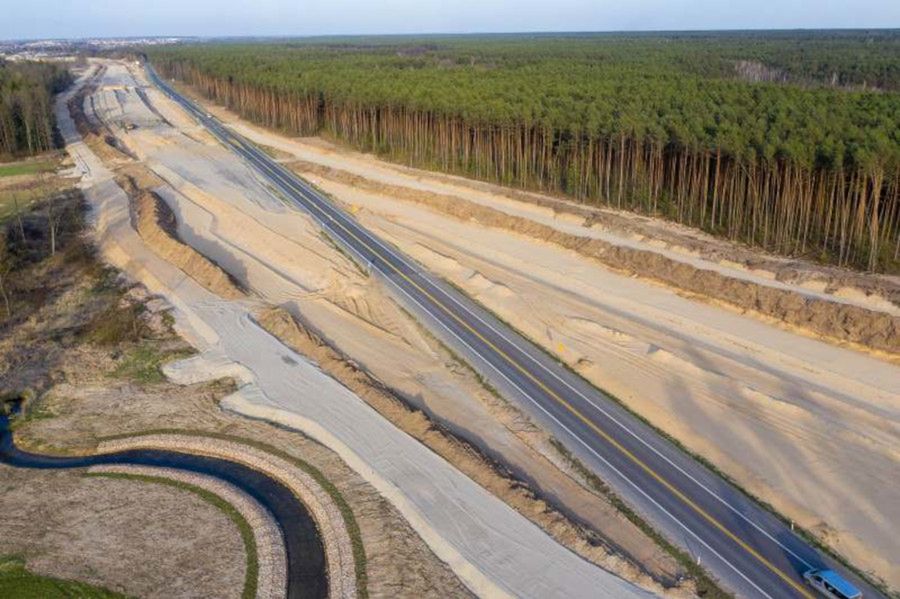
<point>90,18</point>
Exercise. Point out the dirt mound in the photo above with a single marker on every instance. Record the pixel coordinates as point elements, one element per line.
<point>155,223</point>
<point>834,320</point>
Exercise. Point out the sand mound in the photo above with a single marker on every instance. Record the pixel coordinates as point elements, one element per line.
<point>155,223</point>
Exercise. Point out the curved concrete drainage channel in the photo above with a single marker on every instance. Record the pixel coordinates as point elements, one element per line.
<point>332,529</point>
<point>304,548</point>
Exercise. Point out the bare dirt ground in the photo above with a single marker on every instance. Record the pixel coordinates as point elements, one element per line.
<point>280,256</point>
<point>485,542</point>
<point>136,538</point>
<point>787,415</point>
<point>92,368</point>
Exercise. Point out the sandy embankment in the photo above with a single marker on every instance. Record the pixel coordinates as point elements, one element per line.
<point>874,323</point>
<point>226,215</point>
<point>508,555</point>
<point>789,417</point>
<point>155,223</point>
<point>464,456</point>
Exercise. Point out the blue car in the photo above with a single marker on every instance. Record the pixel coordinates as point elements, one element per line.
<point>831,584</point>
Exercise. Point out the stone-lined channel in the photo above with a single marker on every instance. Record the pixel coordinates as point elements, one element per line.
<point>307,572</point>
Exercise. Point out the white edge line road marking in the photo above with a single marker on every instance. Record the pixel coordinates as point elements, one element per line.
<point>303,190</point>
<point>401,258</point>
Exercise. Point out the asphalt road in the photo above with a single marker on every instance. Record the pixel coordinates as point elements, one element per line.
<point>750,551</point>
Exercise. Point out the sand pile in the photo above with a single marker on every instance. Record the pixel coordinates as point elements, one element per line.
<point>686,240</point>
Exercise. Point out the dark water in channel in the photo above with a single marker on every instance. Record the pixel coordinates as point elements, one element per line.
<point>307,574</point>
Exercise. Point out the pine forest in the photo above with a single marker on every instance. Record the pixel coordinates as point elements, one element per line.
<point>786,141</point>
<point>26,108</point>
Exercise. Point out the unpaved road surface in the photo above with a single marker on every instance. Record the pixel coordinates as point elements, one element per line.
<point>493,549</point>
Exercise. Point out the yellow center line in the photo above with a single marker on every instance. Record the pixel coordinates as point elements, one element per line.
<point>603,434</point>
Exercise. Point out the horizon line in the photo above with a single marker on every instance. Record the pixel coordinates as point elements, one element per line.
<point>453,34</point>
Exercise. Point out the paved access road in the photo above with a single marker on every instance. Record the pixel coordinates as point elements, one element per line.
<point>749,550</point>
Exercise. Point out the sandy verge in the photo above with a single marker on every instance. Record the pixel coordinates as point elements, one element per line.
<point>478,467</point>
<point>876,291</point>
<point>830,317</point>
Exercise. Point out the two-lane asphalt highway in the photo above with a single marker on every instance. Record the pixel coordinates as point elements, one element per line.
<point>748,549</point>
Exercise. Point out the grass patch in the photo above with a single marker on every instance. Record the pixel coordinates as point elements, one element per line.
<point>21,201</point>
<point>359,552</point>
<point>17,581</point>
<point>30,167</point>
<point>31,412</point>
<point>143,362</point>
<point>21,195</point>
<point>23,407</point>
<point>117,324</point>
<point>252,574</point>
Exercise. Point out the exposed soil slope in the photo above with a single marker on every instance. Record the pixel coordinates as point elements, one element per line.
<point>732,387</point>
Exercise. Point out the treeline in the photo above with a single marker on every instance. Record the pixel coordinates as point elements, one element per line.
<point>626,122</point>
<point>838,58</point>
<point>26,107</point>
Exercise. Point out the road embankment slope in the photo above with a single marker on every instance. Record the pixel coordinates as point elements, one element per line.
<point>493,549</point>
